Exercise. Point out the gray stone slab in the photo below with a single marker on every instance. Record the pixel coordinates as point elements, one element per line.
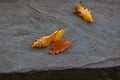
<point>95,45</point>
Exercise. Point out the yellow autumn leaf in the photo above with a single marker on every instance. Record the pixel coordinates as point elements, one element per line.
<point>59,34</point>
<point>84,13</point>
<point>46,40</point>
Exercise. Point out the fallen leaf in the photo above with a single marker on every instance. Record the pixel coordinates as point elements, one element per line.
<point>60,46</point>
<point>46,40</point>
<point>59,34</point>
<point>84,13</point>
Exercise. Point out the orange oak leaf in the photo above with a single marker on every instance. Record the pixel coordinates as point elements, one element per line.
<point>46,40</point>
<point>60,46</point>
<point>84,13</point>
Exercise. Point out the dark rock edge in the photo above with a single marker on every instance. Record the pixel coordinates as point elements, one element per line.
<point>112,73</point>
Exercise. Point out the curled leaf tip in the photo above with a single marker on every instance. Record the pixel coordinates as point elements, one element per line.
<point>59,34</point>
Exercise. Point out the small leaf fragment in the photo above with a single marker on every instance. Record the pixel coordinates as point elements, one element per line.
<point>60,46</point>
<point>60,34</point>
<point>84,13</point>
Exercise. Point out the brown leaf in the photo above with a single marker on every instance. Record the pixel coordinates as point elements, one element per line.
<point>84,13</point>
<point>60,46</point>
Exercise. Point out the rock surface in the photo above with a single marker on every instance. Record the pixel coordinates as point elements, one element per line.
<point>96,45</point>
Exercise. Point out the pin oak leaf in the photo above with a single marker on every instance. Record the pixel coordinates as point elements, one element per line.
<point>60,46</point>
<point>84,13</point>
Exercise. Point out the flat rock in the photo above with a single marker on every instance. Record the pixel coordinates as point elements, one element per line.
<point>96,45</point>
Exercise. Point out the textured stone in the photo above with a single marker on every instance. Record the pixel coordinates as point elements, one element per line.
<point>95,45</point>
